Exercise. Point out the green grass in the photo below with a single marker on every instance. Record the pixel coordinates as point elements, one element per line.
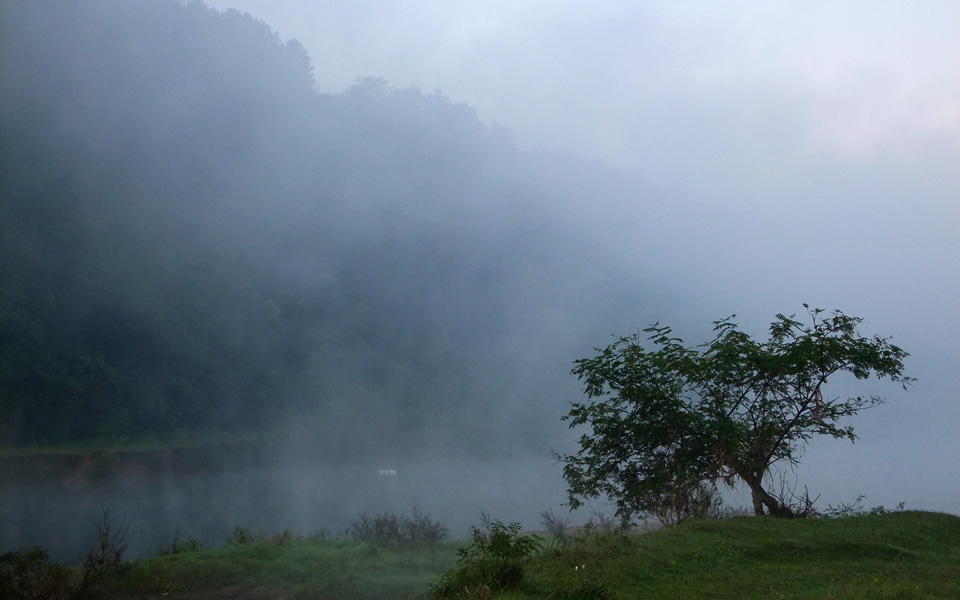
<point>901,555</point>
<point>300,568</point>
<point>896,555</point>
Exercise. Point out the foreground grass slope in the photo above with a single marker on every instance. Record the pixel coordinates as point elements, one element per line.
<point>274,568</point>
<point>894,555</point>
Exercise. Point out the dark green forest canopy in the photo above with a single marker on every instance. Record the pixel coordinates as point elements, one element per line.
<point>193,236</point>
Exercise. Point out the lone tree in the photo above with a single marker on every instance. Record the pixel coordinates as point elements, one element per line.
<point>668,424</point>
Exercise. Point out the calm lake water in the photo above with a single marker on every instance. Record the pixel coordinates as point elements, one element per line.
<point>57,503</point>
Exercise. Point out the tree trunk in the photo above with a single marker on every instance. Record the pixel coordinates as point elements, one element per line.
<point>762,499</point>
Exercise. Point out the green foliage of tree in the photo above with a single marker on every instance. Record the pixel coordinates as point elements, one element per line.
<point>664,422</point>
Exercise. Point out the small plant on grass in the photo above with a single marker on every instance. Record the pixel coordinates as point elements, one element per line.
<point>180,546</point>
<point>555,525</point>
<point>106,554</point>
<point>419,527</point>
<point>281,538</point>
<point>485,521</point>
<point>582,584</point>
<point>881,510</point>
<point>799,505</point>
<point>844,509</point>
<point>599,522</point>
<point>494,562</point>
<point>382,528</point>
<point>856,509</point>
<point>243,536</point>
<point>391,528</point>
<point>30,574</point>
<point>729,512</point>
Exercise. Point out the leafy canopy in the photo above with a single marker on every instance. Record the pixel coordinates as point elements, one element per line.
<point>666,422</point>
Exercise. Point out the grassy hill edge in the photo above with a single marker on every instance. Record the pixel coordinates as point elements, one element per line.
<point>894,555</point>
<point>906,555</point>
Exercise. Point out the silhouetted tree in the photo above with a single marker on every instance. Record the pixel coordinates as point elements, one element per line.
<point>663,422</point>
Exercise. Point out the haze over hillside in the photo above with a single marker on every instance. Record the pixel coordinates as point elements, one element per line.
<point>193,237</point>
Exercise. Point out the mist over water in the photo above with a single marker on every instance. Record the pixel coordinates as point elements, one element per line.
<point>200,244</point>
<point>161,501</point>
<point>200,237</point>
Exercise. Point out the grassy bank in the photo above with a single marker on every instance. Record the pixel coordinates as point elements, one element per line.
<point>904,555</point>
<point>292,569</point>
<point>894,555</point>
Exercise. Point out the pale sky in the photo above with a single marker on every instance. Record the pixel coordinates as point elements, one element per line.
<point>620,80</point>
<point>822,140</point>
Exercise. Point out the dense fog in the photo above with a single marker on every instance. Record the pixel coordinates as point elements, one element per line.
<point>200,238</point>
<point>195,238</point>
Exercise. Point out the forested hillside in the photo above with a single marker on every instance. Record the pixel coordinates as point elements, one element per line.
<point>194,235</point>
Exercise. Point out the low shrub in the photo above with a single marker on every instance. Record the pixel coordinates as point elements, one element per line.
<point>386,528</point>
<point>243,536</point>
<point>581,586</point>
<point>283,537</point>
<point>105,556</point>
<point>494,562</point>
<point>555,525</point>
<point>30,574</point>
<point>180,546</point>
<point>602,523</point>
<point>856,509</point>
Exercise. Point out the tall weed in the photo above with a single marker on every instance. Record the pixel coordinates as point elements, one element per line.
<point>387,528</point>
<point>494,562</point>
